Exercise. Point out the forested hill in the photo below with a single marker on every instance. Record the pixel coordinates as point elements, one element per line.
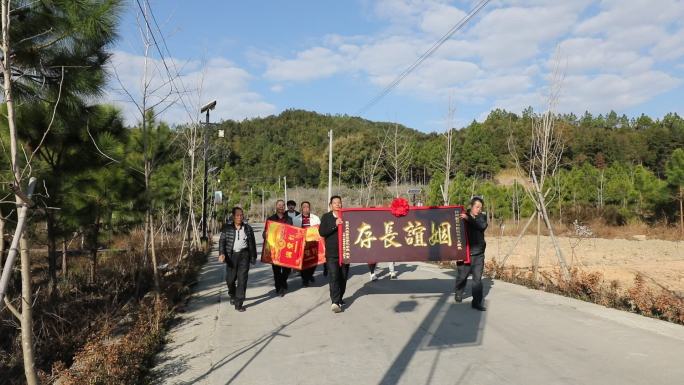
<point>294,144</point>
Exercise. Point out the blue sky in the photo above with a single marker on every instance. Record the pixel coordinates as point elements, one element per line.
<point>260,57</point>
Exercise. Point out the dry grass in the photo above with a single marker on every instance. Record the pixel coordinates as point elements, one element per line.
<point>108,358</point>
<point>598,227</point>
<point>77,326</point>
<point>590,286</point>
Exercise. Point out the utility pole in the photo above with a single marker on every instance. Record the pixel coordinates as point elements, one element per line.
<point>263,207</point>
<point>285,185</point>
<point>330,144</point>
<point>204,239</point>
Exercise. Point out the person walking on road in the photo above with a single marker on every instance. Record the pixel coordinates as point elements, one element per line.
<point>307,219</point>
<point>280,273</point>
<point>237,248</point>
<point>476,224</point>
<point>374,276</point>
<point>337,275</point>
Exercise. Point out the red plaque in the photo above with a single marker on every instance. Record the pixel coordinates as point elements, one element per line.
<point>436,233</point>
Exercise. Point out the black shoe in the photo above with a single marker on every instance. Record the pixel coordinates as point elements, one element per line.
<point>282,292</point>
<point>458,297</point>
<point>312,280</point>
<point>478,307</point>
<point>240,308</point>
<point>305,284</point>
<point>232,301</point>
<point>343,303</point>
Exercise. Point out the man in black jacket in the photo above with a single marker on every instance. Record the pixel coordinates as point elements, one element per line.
<point>237,248</point>
<point>476,224</point>
<point>337,275</point>
<point>280,273</point>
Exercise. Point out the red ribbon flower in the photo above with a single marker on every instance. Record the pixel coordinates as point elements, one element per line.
<point>400,207</point>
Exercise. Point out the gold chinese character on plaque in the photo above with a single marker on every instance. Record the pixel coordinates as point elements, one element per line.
<point>389,236</point>
<point>365,236</point>
<point>440,234</point>
<point>415,232</point>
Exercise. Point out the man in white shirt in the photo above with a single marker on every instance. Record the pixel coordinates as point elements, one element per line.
<point>237,248</point>
<point>306,219</point>
<point>292,209</point>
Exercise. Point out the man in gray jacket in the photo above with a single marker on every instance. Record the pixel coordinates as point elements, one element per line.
<point>237,248</point>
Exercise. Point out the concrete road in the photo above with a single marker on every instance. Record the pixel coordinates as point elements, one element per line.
<point>410,331</point>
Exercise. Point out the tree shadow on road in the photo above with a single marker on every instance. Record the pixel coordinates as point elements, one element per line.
<point>447,325</point>
<point>255,348</point>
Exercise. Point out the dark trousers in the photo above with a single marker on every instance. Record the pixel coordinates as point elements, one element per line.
<point>280,275</point>
<point>237,272</point>
<point>337,279</point>
<point>475,268</point>
<point>307,275</point>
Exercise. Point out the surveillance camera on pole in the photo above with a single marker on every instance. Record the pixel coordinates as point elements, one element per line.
<point>208,106</point>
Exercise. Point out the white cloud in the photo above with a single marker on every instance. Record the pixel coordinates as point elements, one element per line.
<point>219,80</point>
<point>508,36</point>
<point>314,63</point>
<point>584,54</point>
<point>620,15</point>
<point>614,52</point>
<point>611,91</point>
<point>439,19</point>
<point>670,47</point>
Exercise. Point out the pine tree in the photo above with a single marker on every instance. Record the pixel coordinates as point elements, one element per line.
<point>675,176</point>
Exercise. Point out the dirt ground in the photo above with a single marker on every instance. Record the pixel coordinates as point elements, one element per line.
<point>662,262</point>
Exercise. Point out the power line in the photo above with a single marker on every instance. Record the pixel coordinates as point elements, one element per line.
<point>424,56</point>
<point>168,51</point>
<point>161,56</point>
<point>166,66</point>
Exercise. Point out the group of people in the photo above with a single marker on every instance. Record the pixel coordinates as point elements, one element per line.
<point>237,249</point>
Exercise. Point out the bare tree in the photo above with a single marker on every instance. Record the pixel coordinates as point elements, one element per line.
<point>448,166</point>
<point>398,157</point>
<point>22,200</point>
<point>370,170</point>
<point>539,164</point>
<point>158,92</point>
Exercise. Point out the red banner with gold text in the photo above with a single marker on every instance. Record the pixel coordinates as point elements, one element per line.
<point>294,247</point>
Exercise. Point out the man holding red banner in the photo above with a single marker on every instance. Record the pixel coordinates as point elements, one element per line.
<point>280,273</point>
<point>337,275</point>
<point>476,224</point>
<point>307,219</point>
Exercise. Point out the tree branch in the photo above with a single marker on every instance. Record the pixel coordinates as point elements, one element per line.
<point>12,309</point>
<point>52,119</point>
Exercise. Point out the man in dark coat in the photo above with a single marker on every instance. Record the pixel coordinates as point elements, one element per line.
<point>337,275</point>
<point>476,224</point>
<point>280,273</point>
<point>237,248</point>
